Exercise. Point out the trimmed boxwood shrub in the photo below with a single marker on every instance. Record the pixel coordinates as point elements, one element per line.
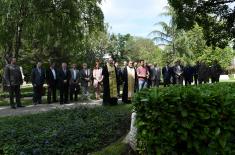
<point>186,120</point>
<point>68,132</point>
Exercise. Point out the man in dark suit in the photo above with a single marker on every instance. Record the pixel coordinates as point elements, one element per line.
<point>166,73</point>
<point>216,70</point>
<point>13,79</point>
<point>64,78</point>
<point>119,77</point>
<point>195,72</point>
<point>74,83</point>
<point>52,81</point>
<point>188,74</point>
<point>38,79</point>
<point>85,75</point>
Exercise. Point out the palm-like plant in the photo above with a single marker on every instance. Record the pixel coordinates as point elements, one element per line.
<point>169,32</point>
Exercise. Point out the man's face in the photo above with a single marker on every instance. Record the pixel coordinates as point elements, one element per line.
<point>53,65</point>
<point>13,61</point>
<point>130,64</point>
<point>142,63</point>
<point>116,64</point>
<point>74,66</point>
<point>135,64</point>
<point>39,65</point>
<point>125,63</point>
<point>110,60</point>
<point>64,65</point>
<point>84,66</point>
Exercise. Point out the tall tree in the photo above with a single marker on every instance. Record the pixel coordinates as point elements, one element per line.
<point>167,35</point>
<point>216,17</point>
<point>53,25</point>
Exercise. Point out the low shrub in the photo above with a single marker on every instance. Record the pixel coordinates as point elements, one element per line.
<point>76,131</point>
<point>186,120</point>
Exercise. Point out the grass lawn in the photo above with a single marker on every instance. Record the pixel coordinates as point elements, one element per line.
<point>75,131</point>
<point>117,148</point>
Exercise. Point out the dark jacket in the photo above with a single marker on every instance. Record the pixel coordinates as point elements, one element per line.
<point>85,74</point>
<point>50,77</point>
<point>13,75</point>
<point>38,78</point>
<point>166,73</point>
<point>119,75</point>
<point>188,73</point>
<point>64,76</point>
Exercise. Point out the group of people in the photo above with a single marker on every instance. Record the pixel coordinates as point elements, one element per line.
<point>197,74</point>
<point>131,77</point>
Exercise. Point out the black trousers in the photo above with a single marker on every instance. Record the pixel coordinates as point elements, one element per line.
<point>188,82</point>
<point>167,82</point>
<point>196,79</point>
<point>14,92</point>
<point>74,89</point>
<point>51,91</point>
<point>38,92</point>
<point>64,92</point>
<point>214,79</point>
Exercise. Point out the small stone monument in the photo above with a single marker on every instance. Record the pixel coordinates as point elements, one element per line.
<point>224,77</point>
<point>131,137</point>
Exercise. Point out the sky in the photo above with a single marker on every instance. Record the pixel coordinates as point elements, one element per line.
<point>136,17</point>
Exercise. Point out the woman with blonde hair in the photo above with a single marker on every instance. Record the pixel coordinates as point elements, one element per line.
<point>98,77</point>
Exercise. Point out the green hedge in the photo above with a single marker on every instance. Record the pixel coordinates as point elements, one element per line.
<point>77,131</point>
<point>186,120</point>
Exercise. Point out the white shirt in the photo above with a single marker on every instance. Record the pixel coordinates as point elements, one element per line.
<point>74,74</point>
<point>53,72</point>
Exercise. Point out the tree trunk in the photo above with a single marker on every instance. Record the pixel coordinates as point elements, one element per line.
<point>18,40</point>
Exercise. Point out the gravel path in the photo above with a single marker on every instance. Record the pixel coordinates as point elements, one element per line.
<point>32,109</point>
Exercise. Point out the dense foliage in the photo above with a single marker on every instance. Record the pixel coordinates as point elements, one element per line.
<point>186,120</point>
<point>77,131</point>
<point>188,45</point>
<point>216,17</point>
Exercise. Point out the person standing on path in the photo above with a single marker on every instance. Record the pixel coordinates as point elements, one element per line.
<point>52,81</point>
<point>166,73</point>
<point>74,83</point>
<point>98,78</point>
<point>119,78</point>
<point>110,83</point>
<point>64,78</point>
<point>13,78</point>
<point>38,79</point>
<point>143,74</point>
<point>85,75</point>
<point>130,82</point>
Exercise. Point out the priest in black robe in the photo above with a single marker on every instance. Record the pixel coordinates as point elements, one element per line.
<point>109,73</point>
<point>130,81</point>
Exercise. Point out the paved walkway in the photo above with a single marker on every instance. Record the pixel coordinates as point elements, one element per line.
<point>32,109</point>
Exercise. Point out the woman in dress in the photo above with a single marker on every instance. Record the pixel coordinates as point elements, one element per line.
<point>97,75</point>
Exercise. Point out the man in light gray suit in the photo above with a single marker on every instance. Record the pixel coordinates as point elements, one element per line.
<point>156,75</point>
<point>13,79</point>
<point>74,83</point>
<point>85,75</point>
